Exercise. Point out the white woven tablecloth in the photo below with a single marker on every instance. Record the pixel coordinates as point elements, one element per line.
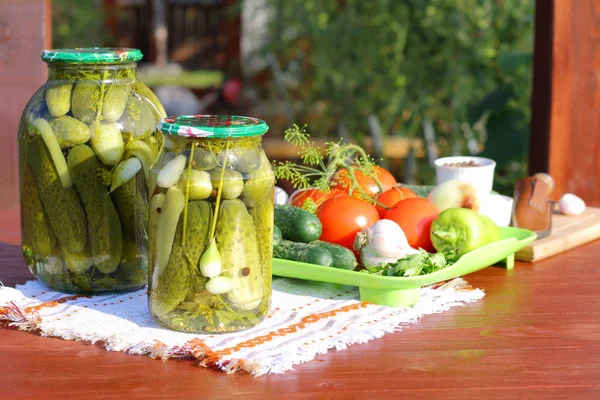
<point>306,319</point>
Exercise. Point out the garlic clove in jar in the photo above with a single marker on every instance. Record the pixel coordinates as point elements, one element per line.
<point>570,204</point>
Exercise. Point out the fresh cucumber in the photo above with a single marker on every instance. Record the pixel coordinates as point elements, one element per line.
<point>343,258</point>
<point>303,252</point>
<point>296,224</point>
<point>277,238</point>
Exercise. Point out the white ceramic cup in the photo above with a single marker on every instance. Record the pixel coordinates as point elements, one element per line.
<point>481,176</point>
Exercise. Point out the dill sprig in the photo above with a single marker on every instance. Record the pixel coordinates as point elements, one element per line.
<point>297,136</point>
<point>319,168</point>
<point>291,172</point>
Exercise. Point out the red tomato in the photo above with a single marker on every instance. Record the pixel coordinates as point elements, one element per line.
<point>298,198</point>
<point>415,217</point>
<point>390,197</point>
<point>366,183</point>
<point>343,217</point>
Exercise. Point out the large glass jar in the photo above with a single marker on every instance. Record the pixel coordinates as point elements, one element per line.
<point>87,139</point>
<point>211,225</point>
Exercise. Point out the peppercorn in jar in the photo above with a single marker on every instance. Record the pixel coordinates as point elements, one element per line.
<point>86,141</point>
<point>211,225</point>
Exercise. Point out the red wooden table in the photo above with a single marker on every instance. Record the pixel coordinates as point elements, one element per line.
<point>536,334</point>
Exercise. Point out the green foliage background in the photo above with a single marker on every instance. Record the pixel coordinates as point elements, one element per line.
<point>465,65</point>
<point>78,23</point>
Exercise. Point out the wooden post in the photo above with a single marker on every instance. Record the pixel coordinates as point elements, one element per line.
<point>159,31</point>
<point>25,31</point>
<point>565,128</point>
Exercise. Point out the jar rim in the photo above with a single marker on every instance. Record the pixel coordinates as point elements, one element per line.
<point>212,126</point>
<point>92,55</point>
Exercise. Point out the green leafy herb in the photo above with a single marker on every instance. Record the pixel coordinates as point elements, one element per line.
<point>422,263</point>
<point>318,172</point>
<point>107,282</point>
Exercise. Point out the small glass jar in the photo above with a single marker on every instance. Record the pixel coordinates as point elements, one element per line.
<point>86,141</point>
<point>211,225</point>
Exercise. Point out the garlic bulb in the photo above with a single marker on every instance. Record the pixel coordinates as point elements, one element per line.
<point>382,243</point>
<point>281,196</point>
<point>569,204</point>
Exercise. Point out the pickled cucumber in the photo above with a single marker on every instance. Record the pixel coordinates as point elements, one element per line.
<point>236,240</point>
<point>258,196</point>
<point>56,155</point>
<point>129,257</point>
<point>260,184</point>
<point>198,185</point>
<point>70,131</point>
<point>156,203</point>
<point>233,183</point>
<point>142,118</point>
<point>244,159</point>
<point>130,268</point>
<point>166,226</point>
<point>58,99</point>
<point>107,142</point>
<point>35,225</point>
<point>262,215</point>
<point>199,217</point>
<point>115,101</point>
<point>178,277</point>
<point>146,92</point>
<point>104,224</point>
<point>154,143</point>
<point>62,205</point>
<point>79,261</point>
<point>256,191</point>
<point>84,101</point>
<point>133,211</point>
<point>172,285</point>
<point>204,159</point>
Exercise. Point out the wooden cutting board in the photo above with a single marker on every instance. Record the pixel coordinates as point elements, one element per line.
<point>567,232</point>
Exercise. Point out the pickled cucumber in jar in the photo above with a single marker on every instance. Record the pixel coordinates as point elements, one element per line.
<point>211,224</point>
<point>84,172</point>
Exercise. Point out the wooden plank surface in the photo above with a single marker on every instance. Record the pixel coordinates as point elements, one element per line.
<point>24,33</point>
<point>536,334</point>
<point>567,232</point>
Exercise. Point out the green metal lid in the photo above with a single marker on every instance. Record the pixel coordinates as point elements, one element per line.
<point>92,55</point>
<point>213,126</point>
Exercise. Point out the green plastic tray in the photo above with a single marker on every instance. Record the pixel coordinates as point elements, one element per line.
<point>403,292</point>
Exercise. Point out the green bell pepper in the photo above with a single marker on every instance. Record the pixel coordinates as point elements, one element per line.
<point>461,230</point>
